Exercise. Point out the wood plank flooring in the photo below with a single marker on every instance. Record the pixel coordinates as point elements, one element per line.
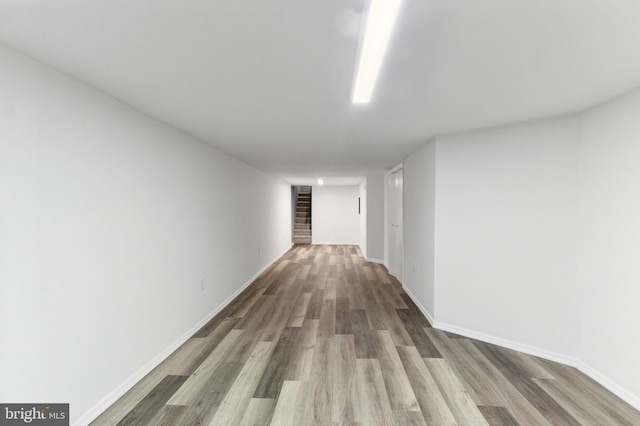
<point>323,337</point>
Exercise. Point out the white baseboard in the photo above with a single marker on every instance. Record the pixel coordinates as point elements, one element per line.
<point>612,386</point>
<point>118,392</point>
<point>424,310</point>
<point>509,344</point>
<point>370,259</point>
<point>602,379</point>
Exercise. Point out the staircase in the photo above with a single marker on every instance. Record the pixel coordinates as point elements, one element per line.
<point>302,224</point>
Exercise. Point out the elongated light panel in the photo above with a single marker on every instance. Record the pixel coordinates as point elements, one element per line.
<point>382,15</point>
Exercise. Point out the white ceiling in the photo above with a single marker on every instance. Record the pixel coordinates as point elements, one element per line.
<point>270,82</point>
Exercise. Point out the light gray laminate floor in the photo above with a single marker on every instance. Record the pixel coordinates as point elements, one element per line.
<point>324,337</point>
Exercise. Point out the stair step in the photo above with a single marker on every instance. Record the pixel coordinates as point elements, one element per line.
<point>302,223</point>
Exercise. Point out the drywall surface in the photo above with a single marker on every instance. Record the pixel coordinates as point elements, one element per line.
<point>419,222</point>
<point>109,221</point>
<point>334,215</point>
<point>534,236</point>
<point>375,217</point>
<point>610,240</point>
<point>506,233</point>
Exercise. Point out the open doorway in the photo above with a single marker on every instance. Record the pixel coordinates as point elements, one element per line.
<point>301,202</point>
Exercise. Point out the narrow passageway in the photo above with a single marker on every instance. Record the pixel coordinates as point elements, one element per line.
<point>325,337</point>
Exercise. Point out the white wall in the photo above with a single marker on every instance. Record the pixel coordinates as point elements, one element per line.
<point>537,238</point>
<point>419,225</point>
<point>375,217</point>
<point>108,221</point>
<point>506,232</point>
<point>610,241</point>
<point>334,215</point>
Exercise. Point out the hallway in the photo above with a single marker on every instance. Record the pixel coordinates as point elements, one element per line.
<point>324,337</point>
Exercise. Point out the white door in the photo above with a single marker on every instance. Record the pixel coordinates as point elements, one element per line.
<point>396,247</point>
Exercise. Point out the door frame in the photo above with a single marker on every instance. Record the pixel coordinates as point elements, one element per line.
<point>395,223</point>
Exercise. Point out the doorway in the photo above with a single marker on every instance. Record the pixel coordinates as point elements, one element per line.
<point>396,228</point>
<point>301,202</point>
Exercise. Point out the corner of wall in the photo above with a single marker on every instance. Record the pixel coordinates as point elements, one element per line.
<point>425,312</point>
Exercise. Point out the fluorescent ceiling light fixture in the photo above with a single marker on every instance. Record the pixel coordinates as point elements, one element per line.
<point>320,182</point>
<point>381,17</point>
